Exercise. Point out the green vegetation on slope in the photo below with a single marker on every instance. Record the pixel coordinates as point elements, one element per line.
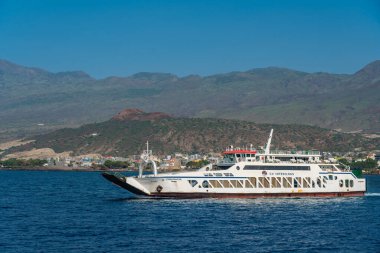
<point>168,135</point>
<point>366,164</point>
<point>19,163</point>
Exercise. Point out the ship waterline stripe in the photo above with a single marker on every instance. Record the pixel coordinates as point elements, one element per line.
<point>256,195</point>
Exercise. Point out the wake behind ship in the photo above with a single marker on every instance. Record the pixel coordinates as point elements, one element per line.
<point>248,173</point>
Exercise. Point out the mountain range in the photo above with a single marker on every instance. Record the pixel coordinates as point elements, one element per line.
<point>33,100</point>
<point>126,134</point>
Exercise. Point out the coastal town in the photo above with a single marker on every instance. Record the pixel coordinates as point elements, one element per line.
<point>369,162</point>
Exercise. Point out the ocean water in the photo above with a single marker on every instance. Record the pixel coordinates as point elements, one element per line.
<point>82,212</point>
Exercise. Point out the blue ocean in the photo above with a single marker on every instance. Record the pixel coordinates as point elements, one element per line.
<point>49,211</point>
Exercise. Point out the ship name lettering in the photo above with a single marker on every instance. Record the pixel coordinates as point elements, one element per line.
<point>281,174</point>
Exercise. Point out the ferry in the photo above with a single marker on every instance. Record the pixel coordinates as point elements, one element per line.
<point>249,173</point>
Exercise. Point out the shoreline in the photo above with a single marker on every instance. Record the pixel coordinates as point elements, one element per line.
<point>83,169</point>
<point>66,169</point>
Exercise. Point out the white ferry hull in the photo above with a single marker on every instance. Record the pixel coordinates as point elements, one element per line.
<point>249,175</point>
<point>179,187</point>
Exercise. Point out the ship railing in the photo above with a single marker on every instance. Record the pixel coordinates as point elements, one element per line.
<point>345,167</point>
<point>240,148</point>
<point>287,152</point>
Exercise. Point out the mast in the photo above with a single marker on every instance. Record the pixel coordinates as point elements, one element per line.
<point>267,148</point>
<point>147,157</point>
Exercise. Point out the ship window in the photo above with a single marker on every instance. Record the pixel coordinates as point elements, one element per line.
<point>267,183</point>
<point>264,182</point>
<point>225,183</point>
<point>297,182</point>
<point>247,184</point>
<point>319,182</point>
<point>330,177</point>
<point>346,182</point>
<point>351,183</point>
<point>287,182</point>
<point>237,183</point>
<point>341,183</point>
<point>335,178</point>
<point>253,180</point>
<point>279,181</point>
<point>261,182</point>
<point>326,167</point>
<point>215,184</point>
<point>306,182</point>
<point>276,182</point>
<point>205,184</point>
<point>193,182</point>
<point>313,183</point>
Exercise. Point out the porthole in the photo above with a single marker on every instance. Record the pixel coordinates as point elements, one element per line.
<point>193,183</point>
<point>238,168</point>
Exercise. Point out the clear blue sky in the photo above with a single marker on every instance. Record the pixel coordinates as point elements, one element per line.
<point>203,37</point>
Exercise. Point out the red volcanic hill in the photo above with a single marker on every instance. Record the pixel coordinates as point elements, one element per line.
<point>137,114</point>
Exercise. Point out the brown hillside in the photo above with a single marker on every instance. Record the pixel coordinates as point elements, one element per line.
<point>136,114</point>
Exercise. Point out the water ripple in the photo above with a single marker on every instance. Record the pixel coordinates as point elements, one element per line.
<point>81,212</point>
